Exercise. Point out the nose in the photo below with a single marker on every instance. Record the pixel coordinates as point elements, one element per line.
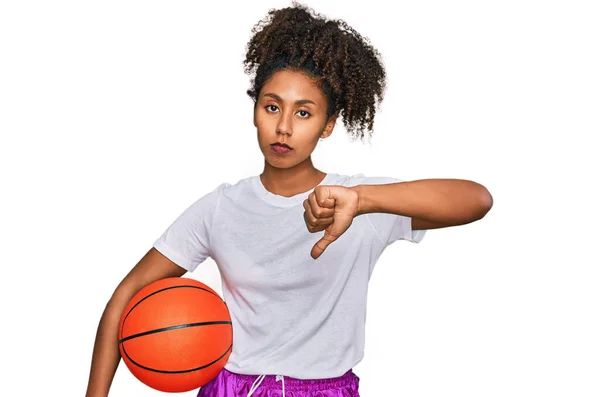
<point>284,126</point>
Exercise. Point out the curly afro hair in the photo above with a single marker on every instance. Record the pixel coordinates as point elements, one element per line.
<point>347,69</point>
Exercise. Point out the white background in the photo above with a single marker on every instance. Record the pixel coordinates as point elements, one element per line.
<point>116,115</point>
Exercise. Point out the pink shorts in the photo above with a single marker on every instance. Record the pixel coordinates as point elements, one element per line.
<point>231,384</point>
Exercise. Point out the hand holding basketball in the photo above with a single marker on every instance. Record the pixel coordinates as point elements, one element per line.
<point>329,208</point>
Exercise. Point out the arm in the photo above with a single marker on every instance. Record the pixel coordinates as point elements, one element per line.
<point>106,356</point>
<point>431,203</point>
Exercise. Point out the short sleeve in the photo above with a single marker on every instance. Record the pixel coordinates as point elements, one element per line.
<point>187,240</point>
<point>391,227</point>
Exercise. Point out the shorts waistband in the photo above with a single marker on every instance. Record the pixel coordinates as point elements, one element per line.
<point>270,381</point>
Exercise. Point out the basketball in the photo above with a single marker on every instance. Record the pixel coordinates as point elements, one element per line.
<point>175,335</point>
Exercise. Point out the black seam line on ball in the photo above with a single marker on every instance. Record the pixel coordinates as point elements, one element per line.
<point>154,331</point>
<point>160,290</point>
<point>180,371</point>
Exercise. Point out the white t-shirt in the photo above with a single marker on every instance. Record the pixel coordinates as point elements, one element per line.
<point>291,314</point>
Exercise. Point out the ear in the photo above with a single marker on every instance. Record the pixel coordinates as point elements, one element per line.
<point>254,115</point>
<point>329,126</point>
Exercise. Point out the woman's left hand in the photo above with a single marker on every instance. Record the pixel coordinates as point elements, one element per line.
<point>329,208</point>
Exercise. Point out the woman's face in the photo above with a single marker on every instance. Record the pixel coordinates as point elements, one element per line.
<point>290,110</point>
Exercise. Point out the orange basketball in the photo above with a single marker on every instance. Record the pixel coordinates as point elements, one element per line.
<point>175,335</point>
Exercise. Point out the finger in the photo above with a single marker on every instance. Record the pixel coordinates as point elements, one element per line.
<point>319,227</point>
<point>319,211</point>
<point>322,194</point>
<point>313,224</point>
<point>311,219</point>
<point>322,245</point>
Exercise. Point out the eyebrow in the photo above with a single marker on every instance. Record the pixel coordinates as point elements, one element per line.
<point>298,102</point>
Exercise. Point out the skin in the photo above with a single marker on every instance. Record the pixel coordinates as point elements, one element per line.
<point>298,125</point>
<point>106,356</point>
<point>279,117</point>
<point>293,110</point>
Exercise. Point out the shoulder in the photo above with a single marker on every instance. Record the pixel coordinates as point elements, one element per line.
<point>240,188</point>
<point>227,187</point>
<point>361,179</point>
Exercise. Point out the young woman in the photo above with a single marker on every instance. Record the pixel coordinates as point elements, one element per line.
<point>295,245</point>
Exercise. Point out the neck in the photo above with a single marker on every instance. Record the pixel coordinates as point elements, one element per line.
<point>288,182</point>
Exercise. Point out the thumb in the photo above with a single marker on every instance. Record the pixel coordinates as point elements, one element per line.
<point>322,244</point>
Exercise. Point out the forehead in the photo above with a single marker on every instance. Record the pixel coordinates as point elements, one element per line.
<point>293,85</point>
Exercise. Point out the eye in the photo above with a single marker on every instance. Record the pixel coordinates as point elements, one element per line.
<point>304,111</point>
<point>270,106</point>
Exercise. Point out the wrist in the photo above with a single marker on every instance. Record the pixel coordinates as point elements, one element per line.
<point>360,208</point>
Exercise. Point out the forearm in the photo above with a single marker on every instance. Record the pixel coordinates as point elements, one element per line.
<point>106,355</point>
<point>447,201</point>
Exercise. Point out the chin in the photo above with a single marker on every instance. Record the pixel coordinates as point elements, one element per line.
<point>280,163</point>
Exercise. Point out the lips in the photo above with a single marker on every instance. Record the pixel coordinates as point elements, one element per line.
<point>281,148</point>
<point>280,144</point>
